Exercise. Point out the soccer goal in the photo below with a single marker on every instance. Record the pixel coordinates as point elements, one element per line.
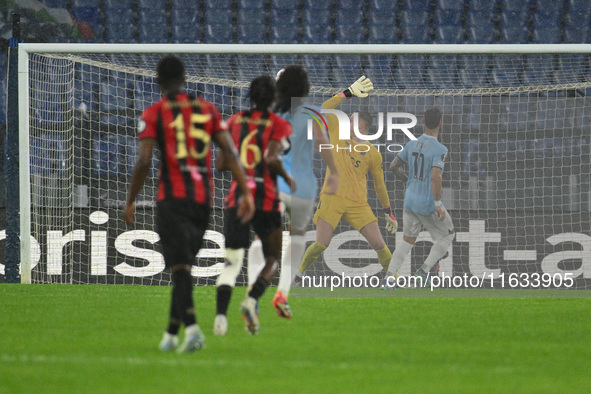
<point>517,179</point>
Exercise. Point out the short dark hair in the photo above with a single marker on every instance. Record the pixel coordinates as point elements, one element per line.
<point>262,92</point>
<point>433,118</point>
<point>366,117</point>
<point>170,70</point>
<point>293,82</point>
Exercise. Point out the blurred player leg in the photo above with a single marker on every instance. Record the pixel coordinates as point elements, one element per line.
<point>293,256</point>
<point>194,339</point>
<point>237,236</point>
<point>170,340</point>
<point>398,257</point>
<point>438,251</point>
<point>182,292</point>
<point>362,218</point>
<point>256,261</point>
<point>272,243</point>
<point>181,226</point>
<point>324,232</point>
<point>372,233</point>
<point>300,212</point>
<point>411,228</point>
<point>225,283</point>
<point>443,234</point>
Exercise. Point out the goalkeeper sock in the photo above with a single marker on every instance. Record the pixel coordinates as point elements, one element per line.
<point>384,256</point>
<point>174,321</point>
<point>311,256</point>
<point>183,295</point>
<point>291,259</point>
<point>398,257</point>
<point>258,288</point>
<point>224,294</point>
<point>256,261</point>
<point>438,250</point>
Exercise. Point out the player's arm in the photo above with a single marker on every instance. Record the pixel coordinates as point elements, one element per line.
<point>138,178</point>
<point>360,88</point>
<point>231,163</point>
<point>377,175</point>
<point>436,182</point>
<point>397,167</point>
<point>332,180</point>
<point>275,163</point>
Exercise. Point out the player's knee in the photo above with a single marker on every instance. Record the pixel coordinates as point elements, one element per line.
<point>297,230</point>
<point>272,263</point>
<point>451,235</point>
<point>234,259</point>
<point>410,240</point>
<point>447,239</point>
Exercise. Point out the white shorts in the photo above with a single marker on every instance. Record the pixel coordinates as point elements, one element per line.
<point>412,224</point>
<point>299,211</point>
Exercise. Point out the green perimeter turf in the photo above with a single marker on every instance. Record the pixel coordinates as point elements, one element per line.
<point>101,338</point>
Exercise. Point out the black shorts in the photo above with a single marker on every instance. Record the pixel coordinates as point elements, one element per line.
<point>181,225</point>
<point>237,234</point>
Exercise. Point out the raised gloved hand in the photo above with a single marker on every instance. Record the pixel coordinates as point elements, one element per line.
<point>360,88</point>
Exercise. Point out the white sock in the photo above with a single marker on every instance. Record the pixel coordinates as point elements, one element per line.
<point>398,257</point>
<point>296,246</point>
<point>438,250</point>
<point>256,261</point>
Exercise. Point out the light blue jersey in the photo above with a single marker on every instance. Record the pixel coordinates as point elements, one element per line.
<point>422,155</point>
<point>298,159</point>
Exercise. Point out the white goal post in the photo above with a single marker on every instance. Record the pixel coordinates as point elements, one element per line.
<point>516,121</point>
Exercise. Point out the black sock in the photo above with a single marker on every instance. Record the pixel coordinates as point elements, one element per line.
<point>223,299</point>
<point>173,328</point>
<point>174,321</point>
<point>258,288</point>
<point>183,296</point>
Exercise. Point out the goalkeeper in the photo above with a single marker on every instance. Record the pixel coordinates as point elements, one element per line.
<point>350,200</point>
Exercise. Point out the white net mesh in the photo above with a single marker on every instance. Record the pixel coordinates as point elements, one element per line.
<point>516,183</point>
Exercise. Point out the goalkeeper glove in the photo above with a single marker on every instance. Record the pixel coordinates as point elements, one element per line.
<point>360,88</point>
<point>391,222</point>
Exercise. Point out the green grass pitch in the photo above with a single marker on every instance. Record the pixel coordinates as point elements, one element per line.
<point>100,338</point>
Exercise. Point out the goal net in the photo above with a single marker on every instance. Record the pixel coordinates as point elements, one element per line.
<point>516,183</point>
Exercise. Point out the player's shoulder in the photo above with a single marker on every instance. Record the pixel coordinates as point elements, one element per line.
<point>441,147</point>
<point>150,114</point>
<point>205,104</point>
<point>432,143</point>
<point>305,111</point>
<point>410,144</point>
<point>275,118</point>
<point>280,123</point>
<point>233,118</point>
<point>307,107</point>
<point>154,108</point>
<point>284,115</point>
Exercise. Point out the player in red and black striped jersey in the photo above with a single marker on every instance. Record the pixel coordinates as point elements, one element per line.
<point>259,135</point>
<point>252,131</point>
<point>183,127</point>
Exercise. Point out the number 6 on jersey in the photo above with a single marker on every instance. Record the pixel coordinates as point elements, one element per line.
<point>246,147</point>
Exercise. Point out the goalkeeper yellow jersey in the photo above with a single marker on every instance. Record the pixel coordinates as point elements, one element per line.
<point>354,160</point>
